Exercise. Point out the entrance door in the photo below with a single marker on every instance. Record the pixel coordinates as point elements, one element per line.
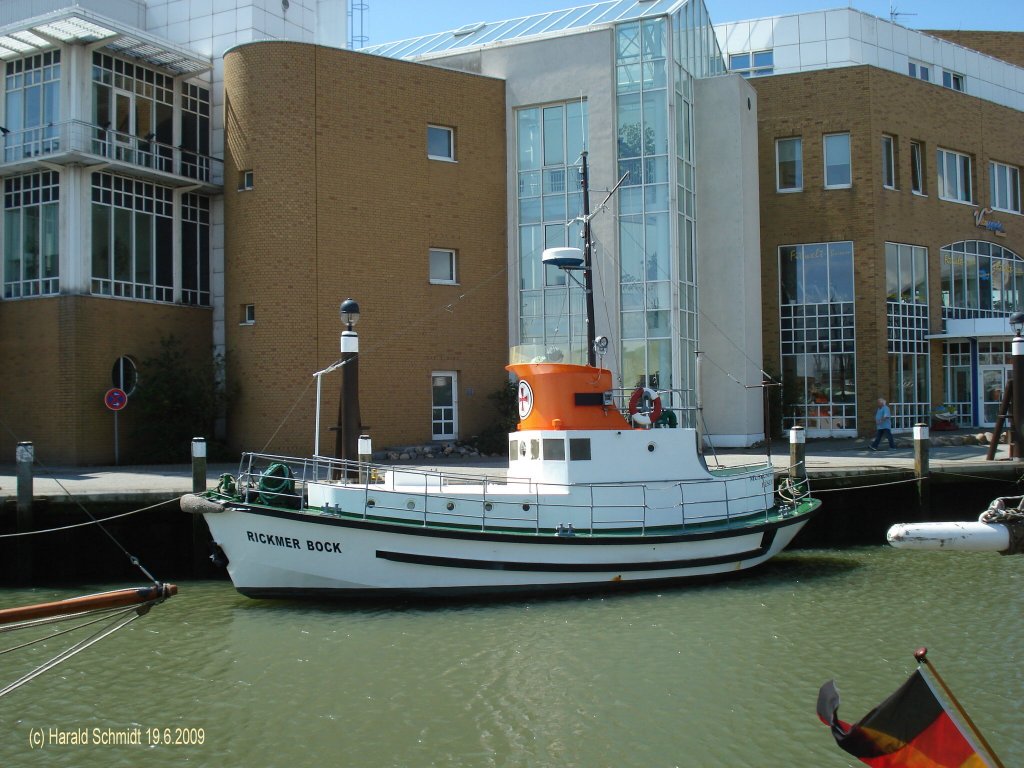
<point>444,405</point>
<point>992,379</point>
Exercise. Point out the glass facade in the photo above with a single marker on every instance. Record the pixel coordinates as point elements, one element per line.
<point>906,285</point>
<point>816,307</point>
<point>31,235</point>
<point>32,105</point>
<point>549,142</point>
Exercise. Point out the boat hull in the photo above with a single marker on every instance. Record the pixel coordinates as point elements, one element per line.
<point>277,553</point>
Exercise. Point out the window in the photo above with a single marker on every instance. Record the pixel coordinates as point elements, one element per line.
<point>195,250</point>
<point>952,80</point>
<point>245,180</point>
<point>888,162</point>
<point>442,266</point>
<point>954,176</point>
<point>248,314</point>
<point>980,279</point>
<point>554,449</point>
<point>916,168</point>
<point>837,161</point>
<point>32,105</point>
<point>755,64</point>
<point>440,143</point>
<point>1005,183</point>
<point>579,449</point>
<point>919,70</point>
<point>444,405</point>
<point>124,375</point>
<point>789,169</point>
<point>31,235</point>
<point>195,131</point>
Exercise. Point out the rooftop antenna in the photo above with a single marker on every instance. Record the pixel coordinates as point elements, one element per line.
<point>895,13</point>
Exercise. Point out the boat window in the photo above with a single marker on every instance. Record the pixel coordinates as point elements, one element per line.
<point>535,449</point>
<point>513,450</point>
<point>579,449</point>
<point>554,449</point>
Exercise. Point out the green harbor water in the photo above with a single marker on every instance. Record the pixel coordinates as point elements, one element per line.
<point>722,674</point>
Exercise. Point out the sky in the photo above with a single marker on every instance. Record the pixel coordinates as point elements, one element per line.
<point>389,20</point>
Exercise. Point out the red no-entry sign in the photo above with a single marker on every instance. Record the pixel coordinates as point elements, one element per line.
<point>115,399</point>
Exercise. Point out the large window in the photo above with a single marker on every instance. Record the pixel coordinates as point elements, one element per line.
<point>32,105</point>
<point>195,131</point>
<point>956,373</point>
<point>954,176</point>
<point>789,165</point>
<point>31,235</point>
<point>981,279</point>
<point>837,161</point>
<point>753,64</point>
<point>819,386</point>
<point>1005,187</point>
<point>132,238</point>
<point>906,282</point>
<point>195,250</point>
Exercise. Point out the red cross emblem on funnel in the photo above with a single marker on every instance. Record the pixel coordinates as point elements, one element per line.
<point>525,399</point>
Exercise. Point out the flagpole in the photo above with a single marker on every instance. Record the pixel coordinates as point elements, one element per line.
<point>921,654</point>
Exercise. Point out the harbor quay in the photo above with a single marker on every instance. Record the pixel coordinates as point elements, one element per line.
<point>863,493</point>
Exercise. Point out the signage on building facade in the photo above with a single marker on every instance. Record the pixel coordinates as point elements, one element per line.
<point>995,227</point>
<point>115,399</point>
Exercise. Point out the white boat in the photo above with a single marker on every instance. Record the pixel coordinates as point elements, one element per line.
<point>591,499</point>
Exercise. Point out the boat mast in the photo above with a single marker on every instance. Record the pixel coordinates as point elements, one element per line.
<point>588,269</point>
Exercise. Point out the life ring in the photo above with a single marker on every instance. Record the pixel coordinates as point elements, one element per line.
<point>646,401</point>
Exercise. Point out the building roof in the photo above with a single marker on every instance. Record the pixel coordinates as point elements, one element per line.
<point>551,23</point>
<point>78,25</point>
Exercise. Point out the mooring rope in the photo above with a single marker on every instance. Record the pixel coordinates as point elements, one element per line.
<point>94,521</point>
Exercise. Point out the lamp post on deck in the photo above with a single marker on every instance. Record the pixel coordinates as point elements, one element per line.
<point>1017,382</point>
<point>347,438</point>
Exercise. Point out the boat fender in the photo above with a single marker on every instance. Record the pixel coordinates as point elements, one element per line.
<point>646,401</point>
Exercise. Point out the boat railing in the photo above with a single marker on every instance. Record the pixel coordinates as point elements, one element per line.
<point>493,502</point>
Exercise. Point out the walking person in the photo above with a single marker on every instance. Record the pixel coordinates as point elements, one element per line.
<point>883,421</point>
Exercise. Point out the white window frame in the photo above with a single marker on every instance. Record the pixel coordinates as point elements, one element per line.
<point>920,70</point>
<point>453,417</point>
<point>246,180</point>
<point>248,314</point>
<point>849,159</point>
<point>962,175</point>
<point>917,168</point>
<point>888,161</point>
<point>952,80</point>
<point>1006,198</point>
<point>799,165</point>
<point>450,157</point>
<point>453,274</point>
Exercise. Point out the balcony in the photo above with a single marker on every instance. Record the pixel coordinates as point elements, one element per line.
<point>75,142</point>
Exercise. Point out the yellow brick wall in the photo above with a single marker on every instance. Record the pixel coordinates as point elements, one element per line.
<point>58,356</point>
<point>346,204</point>
<point>869,102</point>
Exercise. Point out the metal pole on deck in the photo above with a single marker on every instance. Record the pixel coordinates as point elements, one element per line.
<point>922,443</point>
<point>349,428</point>
<point>1017,353</point>
<point>198,464</point>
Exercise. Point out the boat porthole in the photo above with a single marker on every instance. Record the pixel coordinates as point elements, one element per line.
<point>488,506</point>
<point>651,447</point>
<point>410,504</point>
<point>526,507</point>
<point>371,503</point>
<point>449,506</point>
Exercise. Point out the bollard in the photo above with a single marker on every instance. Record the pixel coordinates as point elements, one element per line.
<point>365,457</point>
<point>25,456</point>
<point>797,453</point>
<point>922,442</point>
<point>198,464</point>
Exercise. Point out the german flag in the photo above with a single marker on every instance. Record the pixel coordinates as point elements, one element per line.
<point>910,729</point>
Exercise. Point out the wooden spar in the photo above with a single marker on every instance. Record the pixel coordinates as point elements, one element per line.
<point>119,598</point>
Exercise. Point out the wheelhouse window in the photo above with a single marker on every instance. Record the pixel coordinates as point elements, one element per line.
<point>31,227</point>
<point>579,449</point>
<point>888,162</point>
<point>1005,187</point>
<point>954,176</point>
<point>442,266</point>
<point>440,143</point>
<point>837,161</point>
<point>789,169</point>
<point>917,168</point>
<point>554,449</point>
